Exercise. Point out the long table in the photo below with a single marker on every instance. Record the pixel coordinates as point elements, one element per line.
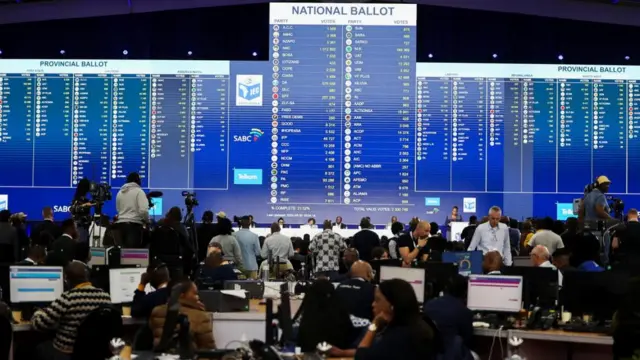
<point>230,327</point>
<point>545,344</point>
<point>300,232</point>
<point>126,320</point>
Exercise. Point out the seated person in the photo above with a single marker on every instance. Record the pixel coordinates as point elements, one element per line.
<point>66,243</point>
<point>450,312</point>
<point>492,263</point>
<point>562,259</point>
<point>65,314</point>
<point>540,257</point>
<point>587,254</point>
<point>323,318</point>
<point>356,293</point>
<point>37,255</point>
<point>379,253</point>
<point>216,269</point>
<point>200,324</point>
<point>398,331</point>
<point>157,276</point>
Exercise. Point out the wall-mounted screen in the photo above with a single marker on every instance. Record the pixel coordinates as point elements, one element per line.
<point>340,121</point>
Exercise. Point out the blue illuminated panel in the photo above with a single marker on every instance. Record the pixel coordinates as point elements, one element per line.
<point>343,100</point>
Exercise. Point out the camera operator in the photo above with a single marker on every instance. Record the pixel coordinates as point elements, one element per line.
<point>81,209</point>
<point>133,211</point>
<point>594,206</point>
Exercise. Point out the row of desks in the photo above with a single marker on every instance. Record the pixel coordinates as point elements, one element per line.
<point>230,327</point>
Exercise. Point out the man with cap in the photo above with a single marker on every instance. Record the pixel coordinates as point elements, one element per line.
<point>594,205</point>
<point>249,246</point>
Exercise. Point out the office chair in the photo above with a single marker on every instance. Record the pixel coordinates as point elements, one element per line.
<point>95,333</point>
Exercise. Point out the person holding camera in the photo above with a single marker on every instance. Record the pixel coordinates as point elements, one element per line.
<point>594,206</point>
<point>81,209</point>
<point>133,211</point>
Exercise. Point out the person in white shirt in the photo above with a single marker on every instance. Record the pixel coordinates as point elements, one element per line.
<point>546,237</point>
<point>540,257</point>
<point>493,235</point>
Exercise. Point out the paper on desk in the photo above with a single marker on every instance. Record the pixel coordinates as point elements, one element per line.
<point>237,293</point>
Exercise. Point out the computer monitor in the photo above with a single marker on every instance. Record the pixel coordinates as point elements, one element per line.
<point>98,256</point>
<point>376,264</point>
<point>495,293</point>
<point>469,262</point>
<point>35,284</point>
<point>540,284</point>
<point>414,276</point>
<point>123,283</point>
<point>138,257</point>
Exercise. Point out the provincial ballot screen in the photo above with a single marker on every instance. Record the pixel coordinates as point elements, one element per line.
<point>341,120</point>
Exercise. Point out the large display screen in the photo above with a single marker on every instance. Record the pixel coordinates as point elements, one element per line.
<point>340,121</point>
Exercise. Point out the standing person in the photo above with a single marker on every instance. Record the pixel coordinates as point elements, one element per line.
<point>453,217</point>
<point>467,232</point>
<point>18,221</point>
<point>327,246</point>
<point>230,247</point>
<point>278,245</point>
<point>133,211</point>
<point>47,225</point>
<point>9,246</point>
<point>206,232</point>
<point>595,206</point>
<point>493,235</point>
<point>525,237</point>
<point>249,243</point>
<point>81,209</point>
<point>365,240</point>
<point>396,229</point>
<point>546,237</point>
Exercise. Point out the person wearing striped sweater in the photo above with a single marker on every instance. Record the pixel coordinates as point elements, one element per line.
<point>66,314</point>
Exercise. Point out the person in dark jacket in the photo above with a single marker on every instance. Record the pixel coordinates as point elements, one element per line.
<point>365,240</point>
<point>157,276</point>
<point>322,317</point>
<point>399,330</point>
<point>8,239</point>
<point>36,256</point>
<point>206,231</point>
<point>218,270</point>
<point>46,226</point>
<point>357,291</point>
<point>19,222</point>
<point>66,244</point>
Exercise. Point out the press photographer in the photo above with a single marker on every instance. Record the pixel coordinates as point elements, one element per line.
<point>81,209</point>
<point>133,211</point>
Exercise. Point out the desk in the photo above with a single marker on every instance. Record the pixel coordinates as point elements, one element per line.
<point>548,345</point>
<point>126,321</point>
<point>248,325</point>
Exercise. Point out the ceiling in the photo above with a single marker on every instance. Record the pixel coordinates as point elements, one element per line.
<point>624,12</point>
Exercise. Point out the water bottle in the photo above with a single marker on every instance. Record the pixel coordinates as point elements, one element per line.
<point>265,271</point>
